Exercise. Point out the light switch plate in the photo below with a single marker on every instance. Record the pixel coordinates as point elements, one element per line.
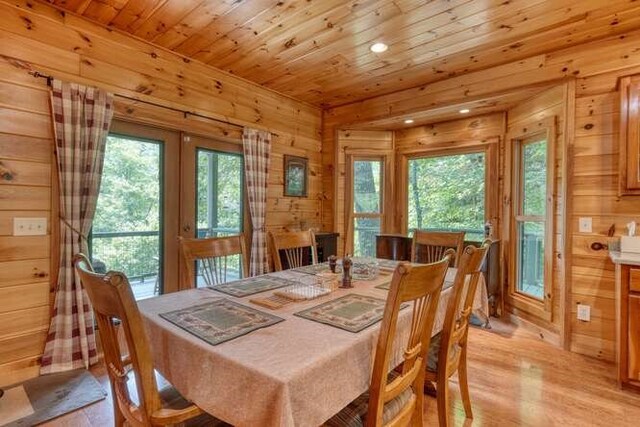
<point>29,226</point>
<point>584,312</point>
<point>585,224</point>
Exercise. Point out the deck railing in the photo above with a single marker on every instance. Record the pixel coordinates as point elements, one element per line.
<point>137,253</point>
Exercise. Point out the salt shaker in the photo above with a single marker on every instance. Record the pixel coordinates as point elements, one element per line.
<point>346,272</point>
<point>333,262</point>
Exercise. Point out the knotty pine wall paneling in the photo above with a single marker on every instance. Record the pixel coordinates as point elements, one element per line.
<point>595,195</point>
<point>35,36</point>
<point>26,159</point>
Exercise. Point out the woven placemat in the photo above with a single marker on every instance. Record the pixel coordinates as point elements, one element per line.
<point>252,285</point>
<point>220,321</point>
<point>352,312</point>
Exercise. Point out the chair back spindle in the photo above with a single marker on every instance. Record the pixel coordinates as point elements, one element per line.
<point>292,246</point>
<point>430,246</point>
<point>211,258</point>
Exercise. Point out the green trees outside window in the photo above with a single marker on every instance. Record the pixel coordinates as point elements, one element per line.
<point>447,193</point>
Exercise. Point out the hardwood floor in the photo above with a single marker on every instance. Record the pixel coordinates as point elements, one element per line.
<point>515,380</point>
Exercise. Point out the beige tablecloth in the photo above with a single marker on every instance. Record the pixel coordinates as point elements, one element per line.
<point>295,373</point>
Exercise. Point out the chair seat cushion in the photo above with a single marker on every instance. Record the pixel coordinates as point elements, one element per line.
<point>355,413</point>
<point>434,351</point>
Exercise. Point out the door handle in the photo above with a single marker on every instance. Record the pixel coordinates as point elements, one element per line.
<point>186,228</point>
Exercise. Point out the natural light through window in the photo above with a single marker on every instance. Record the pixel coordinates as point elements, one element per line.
<point>126,234</point>
<point>447,193</point>
<point>530,218</point>
<point>367,202</point>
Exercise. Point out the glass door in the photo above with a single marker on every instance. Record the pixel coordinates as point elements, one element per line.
<point>129,227</point>
<point>213,194</point>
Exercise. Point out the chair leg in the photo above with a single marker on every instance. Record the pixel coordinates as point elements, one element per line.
<point>118,418</point>
<point>443,402</point>
<point>463,380</point>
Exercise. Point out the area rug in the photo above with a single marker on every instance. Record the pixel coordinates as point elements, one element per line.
<point>351,312</point>
<point>220,321</point>
<point>49,396</point>
<point>251,286</point>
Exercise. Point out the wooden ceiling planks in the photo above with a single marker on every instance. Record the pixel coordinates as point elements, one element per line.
<point>480,107</point>
<point>318,50</point>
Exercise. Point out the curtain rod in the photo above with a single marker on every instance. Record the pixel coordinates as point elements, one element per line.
<point>38,74</point>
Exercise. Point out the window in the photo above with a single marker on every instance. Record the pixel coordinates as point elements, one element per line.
<point>127,227</point>
<point>366,209</point>
<point>531,185</point>
<point>447,193</point>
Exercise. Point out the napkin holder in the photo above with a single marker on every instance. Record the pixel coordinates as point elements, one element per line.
<point>630,244</point>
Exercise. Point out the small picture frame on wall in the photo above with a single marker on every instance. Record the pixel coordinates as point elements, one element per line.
<point>296,172</point>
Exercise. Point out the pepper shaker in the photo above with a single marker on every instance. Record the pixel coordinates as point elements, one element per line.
<point>346,273</point>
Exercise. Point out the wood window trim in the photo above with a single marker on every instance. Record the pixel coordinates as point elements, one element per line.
<point>489,147</point>
<point>546,129</point>
<point>386,190</point>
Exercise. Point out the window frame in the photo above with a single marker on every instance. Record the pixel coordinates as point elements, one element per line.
<point>450,153</point>
<point>385,191</point>
<point>491,171</point>
<point>542,308</point>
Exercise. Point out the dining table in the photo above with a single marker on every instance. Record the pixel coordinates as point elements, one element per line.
<point>287,366</point>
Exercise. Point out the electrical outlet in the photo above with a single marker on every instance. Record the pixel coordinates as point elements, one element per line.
<point>584,312</point>
<point>29,226</point>
<point>585,224</point>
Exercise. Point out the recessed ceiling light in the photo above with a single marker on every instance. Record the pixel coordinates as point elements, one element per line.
<point>408,121</point>
<point>378,47</point>
<point>464,111</point>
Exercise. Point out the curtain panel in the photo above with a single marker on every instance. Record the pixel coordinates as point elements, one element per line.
<point>257,150</point>
<point>81,118</point>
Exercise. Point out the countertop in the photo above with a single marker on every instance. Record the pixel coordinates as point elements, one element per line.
<point>624,258</point>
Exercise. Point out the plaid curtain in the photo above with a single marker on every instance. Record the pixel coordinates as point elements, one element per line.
<point>81,117</point>
<point>257,148</point>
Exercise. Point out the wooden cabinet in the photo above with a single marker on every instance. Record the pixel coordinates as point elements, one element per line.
<point>393,246</point>
<point>327,244</point>
<point>629,162</point>
<point>628,321</point>
<point>634,337</point>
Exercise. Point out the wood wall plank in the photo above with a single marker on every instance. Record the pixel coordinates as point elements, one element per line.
<point>24,271</point>
<point>14,248</point>
<point>26,296</point>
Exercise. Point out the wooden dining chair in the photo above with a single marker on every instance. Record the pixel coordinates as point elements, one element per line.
<point>448,349</point>
<point>292,247</point>
<point>211,255</point>
<point>430,246</point>
<point>396,398</point>
<point>114,304</point>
